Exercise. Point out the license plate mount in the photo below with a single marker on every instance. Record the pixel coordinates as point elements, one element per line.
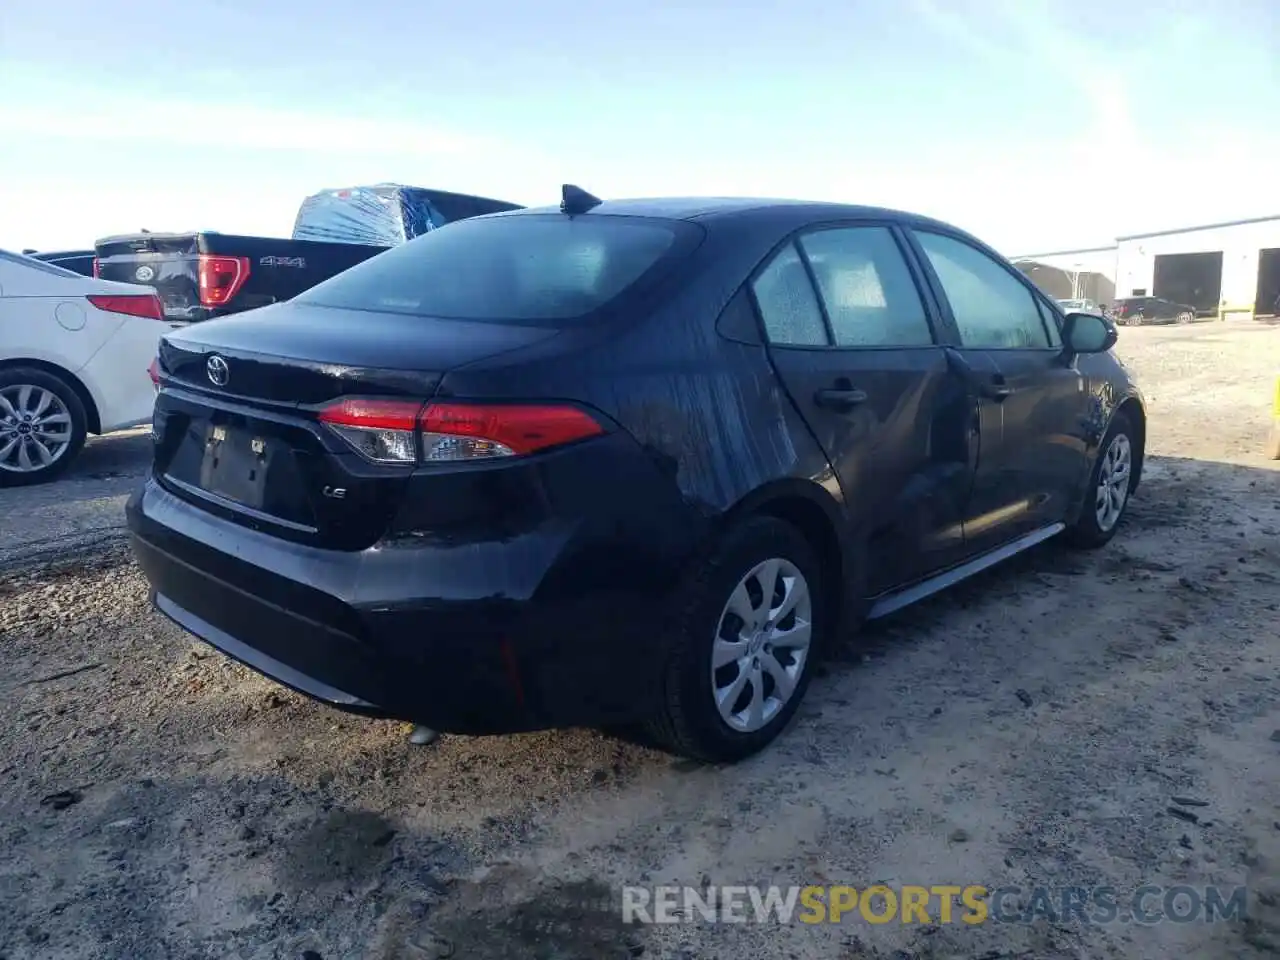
<point>235,465</point>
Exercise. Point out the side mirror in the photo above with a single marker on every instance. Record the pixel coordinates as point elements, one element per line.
<point>1088,333</point>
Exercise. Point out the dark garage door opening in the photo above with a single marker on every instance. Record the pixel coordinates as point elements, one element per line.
<point>1267,301</point>
<point>1191,278</point>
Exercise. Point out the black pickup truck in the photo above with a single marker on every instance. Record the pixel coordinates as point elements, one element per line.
<point>205,274</point>
<point>77,261</point>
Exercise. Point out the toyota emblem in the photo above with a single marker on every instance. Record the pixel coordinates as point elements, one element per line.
<point>144,273</point>
<point>219,372</point>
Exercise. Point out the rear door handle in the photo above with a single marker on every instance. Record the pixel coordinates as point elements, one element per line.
<point>837,398</point>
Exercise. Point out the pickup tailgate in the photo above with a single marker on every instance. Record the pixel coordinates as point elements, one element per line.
<point>203,275</point>
<point>169,262</point>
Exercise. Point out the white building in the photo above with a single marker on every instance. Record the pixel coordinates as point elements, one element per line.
<point>1220,269</point>
<point>1224,268</point>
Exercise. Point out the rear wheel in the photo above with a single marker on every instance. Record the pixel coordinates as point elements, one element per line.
<point>1186,316</point>
<point>744,642</point>
<point>42,426</point>
<point>1109,487</point>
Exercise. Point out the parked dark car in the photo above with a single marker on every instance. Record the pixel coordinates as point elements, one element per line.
<point>619,462</point>
<point>1134,311</point>
<point>205,274</point>
<point>77,261</point>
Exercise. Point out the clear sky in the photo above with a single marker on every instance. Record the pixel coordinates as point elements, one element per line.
<point>1038,124</point>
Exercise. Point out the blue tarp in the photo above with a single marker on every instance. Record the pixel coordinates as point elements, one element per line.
<point>386,214</point>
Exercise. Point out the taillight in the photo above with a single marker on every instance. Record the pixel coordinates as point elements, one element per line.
<point>221,278</point>
<point>153,372</point>
<point>407,431</point>
<point>382,430</point>
<point>464,431</point>
<point>97,268</point>
<point>146,305</point>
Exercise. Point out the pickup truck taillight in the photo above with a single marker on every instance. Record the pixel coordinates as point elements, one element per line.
<point>144,305</point>
<point>221,278</point>
<point>153,372</point>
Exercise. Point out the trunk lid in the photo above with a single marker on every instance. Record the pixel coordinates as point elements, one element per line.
<point>237,420</point>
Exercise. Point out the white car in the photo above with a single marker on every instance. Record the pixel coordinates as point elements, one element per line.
<point>75,359</point>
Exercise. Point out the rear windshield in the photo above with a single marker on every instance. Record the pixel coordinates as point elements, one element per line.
<point>522,268</point>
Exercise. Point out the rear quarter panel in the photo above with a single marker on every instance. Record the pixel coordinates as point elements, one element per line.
<point>708,410</point>
<point>117,374</point>
<point>62,331</point>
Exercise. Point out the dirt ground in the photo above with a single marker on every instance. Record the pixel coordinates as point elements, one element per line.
<point>1029,728</point>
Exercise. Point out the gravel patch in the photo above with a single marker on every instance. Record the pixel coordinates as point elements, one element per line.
<point>1065,720</point>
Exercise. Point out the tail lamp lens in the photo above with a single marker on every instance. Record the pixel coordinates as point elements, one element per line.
<point>220,278</point>
<point>409,431</point>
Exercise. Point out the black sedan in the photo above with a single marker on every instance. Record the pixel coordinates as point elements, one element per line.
<point>621,462</point>
<point>1135,311</point>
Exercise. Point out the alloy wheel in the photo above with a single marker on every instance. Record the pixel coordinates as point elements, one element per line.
<point>761,646</point>
<point>1113,482</point>
<point>35,428</point>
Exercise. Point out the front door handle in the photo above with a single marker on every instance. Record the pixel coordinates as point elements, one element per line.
<point>839,398</point>
<point>987,386</point>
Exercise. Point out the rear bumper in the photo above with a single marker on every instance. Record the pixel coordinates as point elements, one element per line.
<point>456,639</point>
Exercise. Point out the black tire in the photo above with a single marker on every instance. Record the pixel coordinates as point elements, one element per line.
<point>1086,533</point>
<point>688,722</point>
<point>18,376</point>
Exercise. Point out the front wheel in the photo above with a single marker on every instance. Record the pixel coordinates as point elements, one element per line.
<point>744,643</point>
<point>1110,484</point>
<point>1186,316</point>
<point>42,426</point>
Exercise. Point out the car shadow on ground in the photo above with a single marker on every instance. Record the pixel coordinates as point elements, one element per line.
<point>1172,496</point>
<point>123,454</point>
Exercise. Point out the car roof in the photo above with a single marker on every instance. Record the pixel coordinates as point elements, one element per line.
<point>756,209</point>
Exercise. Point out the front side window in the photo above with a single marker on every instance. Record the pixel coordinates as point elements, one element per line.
<point>1051,322</point>
<point>867,288</point>
<point>520,269</point>
<point>992,309</point>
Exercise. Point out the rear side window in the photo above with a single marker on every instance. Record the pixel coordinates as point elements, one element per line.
<point>870,296</point>
<point>524,268</point>
<point>787,303</point>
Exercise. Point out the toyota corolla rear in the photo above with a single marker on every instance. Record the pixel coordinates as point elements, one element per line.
<point>327,506</point>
